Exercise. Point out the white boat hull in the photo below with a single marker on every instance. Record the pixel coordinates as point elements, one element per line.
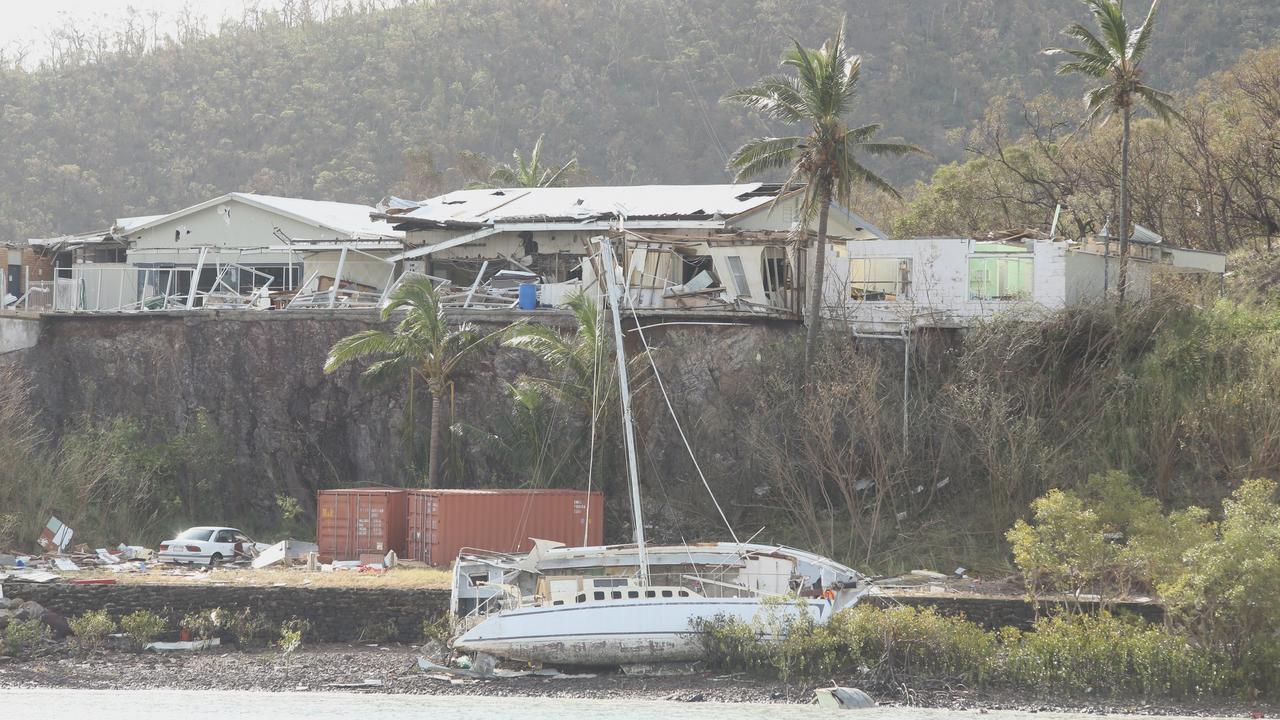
<point>620,632</point>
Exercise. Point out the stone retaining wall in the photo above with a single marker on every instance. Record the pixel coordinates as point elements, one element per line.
<point>341,614</point>
<point>998,612</point>
<point>336,614</point>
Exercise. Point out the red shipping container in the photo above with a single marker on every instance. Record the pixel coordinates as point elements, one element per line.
<point>442,522</point>
<point>361,521</point>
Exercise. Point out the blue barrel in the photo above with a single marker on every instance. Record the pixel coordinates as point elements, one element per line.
<point>528,296</point>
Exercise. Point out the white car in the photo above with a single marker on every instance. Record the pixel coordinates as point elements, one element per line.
<point>207,546</point>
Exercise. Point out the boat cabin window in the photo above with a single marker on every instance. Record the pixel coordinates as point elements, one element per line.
<point>478,578</point>
<point>599,595</point>
<point>633,594</point>
<point>611,582</point>
<point>582,597</point>
<point>617,594</point>
<point>684,593</point>
<point>666,593</point>
<point>558,602</point>
<point>650,593</point>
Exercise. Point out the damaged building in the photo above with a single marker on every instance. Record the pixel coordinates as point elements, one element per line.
<point>729,248</point>
<point>887,285</point>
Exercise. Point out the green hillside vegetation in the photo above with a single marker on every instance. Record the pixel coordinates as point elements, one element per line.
<point>374,101</point>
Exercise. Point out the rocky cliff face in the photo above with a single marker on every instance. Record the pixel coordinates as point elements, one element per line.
<point>292,429</point>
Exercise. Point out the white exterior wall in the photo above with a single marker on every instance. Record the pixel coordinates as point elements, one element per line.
<point>358,268</point>
<point>245,227</point>
<point>939,294</point>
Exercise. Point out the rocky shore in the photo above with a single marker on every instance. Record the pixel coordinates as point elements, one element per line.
<point>393,669</point>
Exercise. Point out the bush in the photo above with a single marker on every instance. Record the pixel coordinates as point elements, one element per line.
<point>143,627</point>
<point>373,631</point>
<point>881,645</point>
<point>249,629</point>
<point>1108,655</point>
<point>203,625</point>
<point>292,633</point>
<point>22,638</point>
<point>91,629</point>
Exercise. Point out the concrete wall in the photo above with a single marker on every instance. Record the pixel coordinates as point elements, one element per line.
<point>18,333</point>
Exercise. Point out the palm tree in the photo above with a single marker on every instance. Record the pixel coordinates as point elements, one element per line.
<point>580,362</point>
<point>422,344</point>
<point>825,162</point>
<point>1113,57</point>
<point>529,173</point>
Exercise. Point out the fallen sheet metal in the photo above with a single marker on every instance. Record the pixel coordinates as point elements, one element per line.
<point>66,564</point>
<point>283,552</point>
<point>35,576</point>
<point>447,672</point>
<point>56,536</point>
<point>184,645</point>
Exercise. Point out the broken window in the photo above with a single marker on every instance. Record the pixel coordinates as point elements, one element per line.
<point>691,265</point>
<point>876,279</point>
<point>773,269</point>
<point>1000,278</point>
<point>740,286</point>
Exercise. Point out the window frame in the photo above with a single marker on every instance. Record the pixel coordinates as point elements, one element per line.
<point>863,288</point>
<point>1001,263</point>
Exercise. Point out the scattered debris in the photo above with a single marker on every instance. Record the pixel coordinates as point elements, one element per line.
<point>284,552</point>
<point>55,537</point>
<point>188,645</point>
<point>843,698</point>
<point>65,564</point>
<point>367,683</point>
<point>444,672</point>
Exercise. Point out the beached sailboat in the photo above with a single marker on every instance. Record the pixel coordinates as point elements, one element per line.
<point>628,604</point>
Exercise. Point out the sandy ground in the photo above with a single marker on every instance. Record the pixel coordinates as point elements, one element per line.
<point>402,576</point>
<point>393,669</point>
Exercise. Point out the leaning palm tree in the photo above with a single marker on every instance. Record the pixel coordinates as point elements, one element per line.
<point>422,344</point>
<point>519,172</point>
<point>1113,56</point>
<point>825,162</point>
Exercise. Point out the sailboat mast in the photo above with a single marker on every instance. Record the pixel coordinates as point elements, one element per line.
<point>624,389</point>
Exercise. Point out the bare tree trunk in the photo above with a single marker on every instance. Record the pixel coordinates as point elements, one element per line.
<point>814,316</point>
<point>433,462</point>
<point>1124,208</point>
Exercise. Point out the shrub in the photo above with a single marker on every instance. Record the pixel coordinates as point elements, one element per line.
<point>91,629</point>
<point>203,625</point>
<point>292,633</point>
<point>373,631</point>
<point>1109,655</point>
<point>142,627</point>
<point>248,628</point>
<point>881,645</point>
<point>439,628</point>
<point>22,638</point>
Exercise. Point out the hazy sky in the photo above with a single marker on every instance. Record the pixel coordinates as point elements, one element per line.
<point>26,22</point>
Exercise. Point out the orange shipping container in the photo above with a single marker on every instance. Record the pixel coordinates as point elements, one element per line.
<point>361,522</point>
<point>442,522</point>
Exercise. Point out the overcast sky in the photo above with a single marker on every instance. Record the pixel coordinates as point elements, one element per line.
<point>27,22</point>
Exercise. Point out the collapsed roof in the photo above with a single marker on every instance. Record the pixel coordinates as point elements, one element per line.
<point>464,209</point>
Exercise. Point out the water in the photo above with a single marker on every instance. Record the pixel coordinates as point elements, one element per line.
<point>216,705</point>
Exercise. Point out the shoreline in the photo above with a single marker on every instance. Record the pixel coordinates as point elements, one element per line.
<point>392,669</point>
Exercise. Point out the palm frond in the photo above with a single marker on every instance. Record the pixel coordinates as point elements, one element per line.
<point>1086,63</point>
<point>1090,41</point>
<point>1110,19</point>
<point>774,96</point>
<point>760,155</point>
<point>891,148</point>
<point>854,170</point>
<point>359,345</point>
<point>1158,102</point>
<point>1140,39</point>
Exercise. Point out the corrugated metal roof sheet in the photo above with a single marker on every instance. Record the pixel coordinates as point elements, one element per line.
<point>479,207</point>
<point>347,218</point>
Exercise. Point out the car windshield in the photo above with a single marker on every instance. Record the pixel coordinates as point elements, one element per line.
<point>196,534</point>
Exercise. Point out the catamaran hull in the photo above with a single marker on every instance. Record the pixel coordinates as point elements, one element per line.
<point>621,632</point>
